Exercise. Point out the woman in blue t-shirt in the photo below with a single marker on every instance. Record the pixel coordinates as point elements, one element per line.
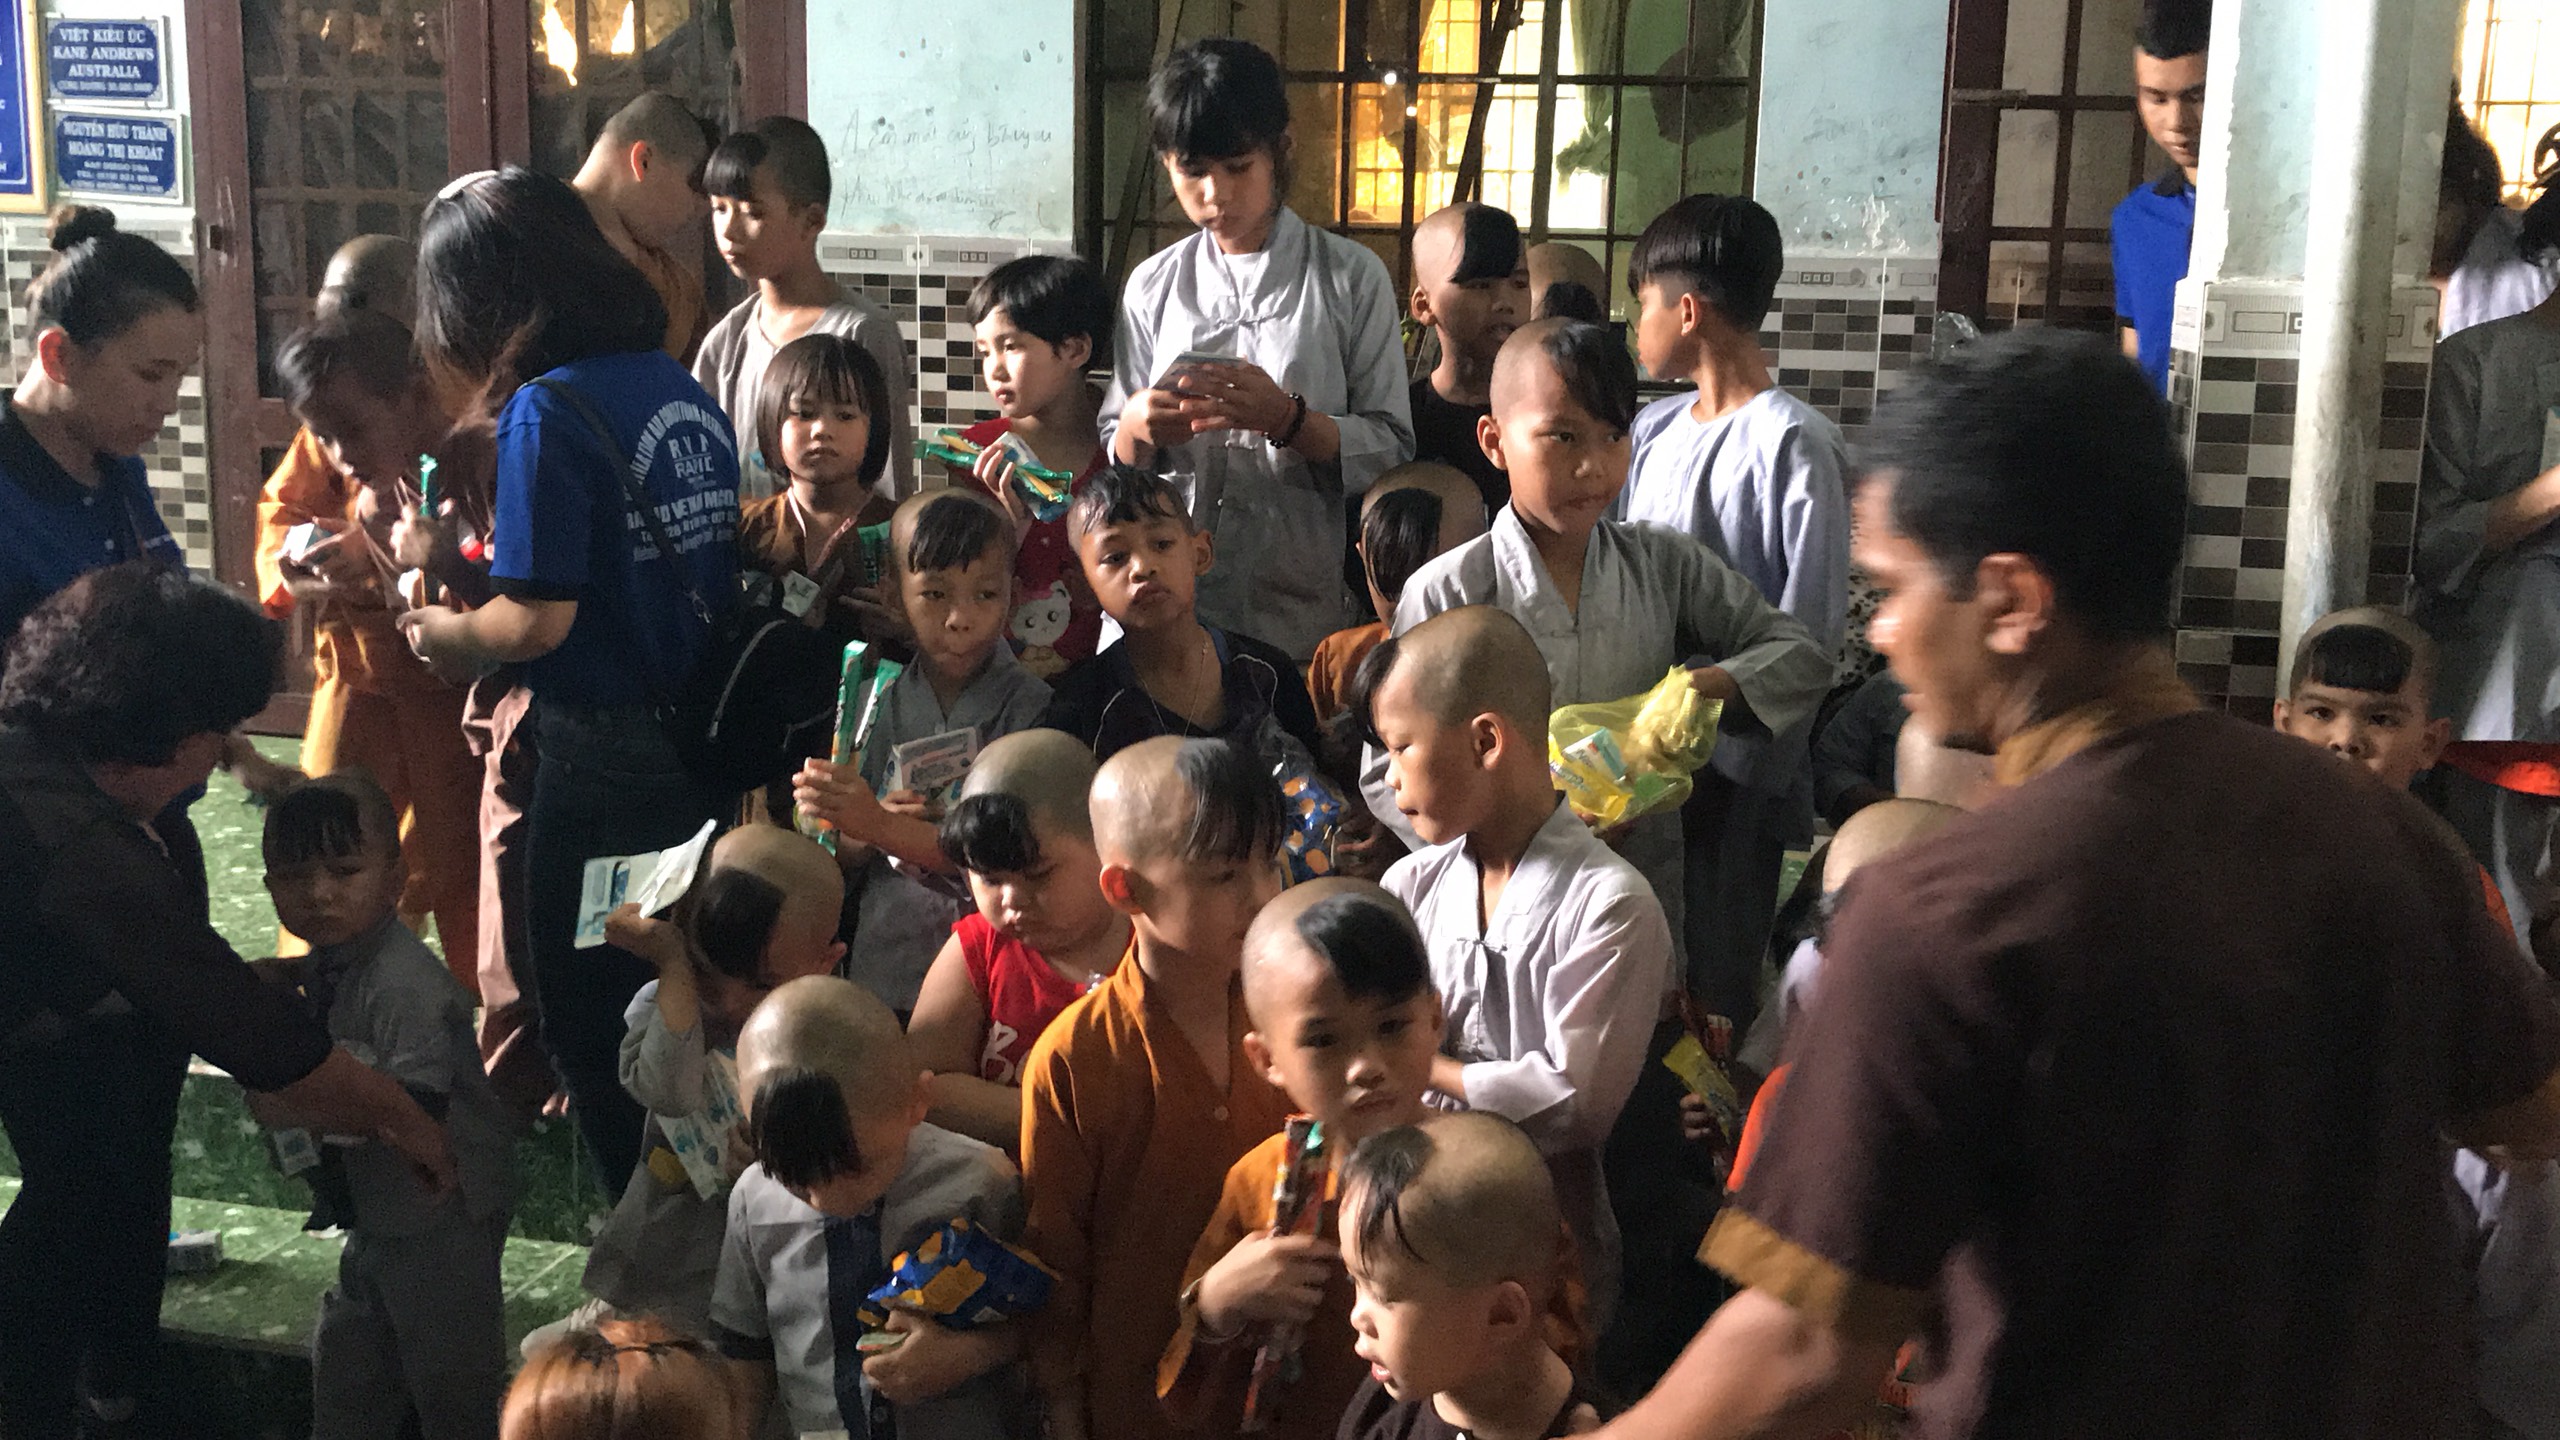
<point>522,301</point>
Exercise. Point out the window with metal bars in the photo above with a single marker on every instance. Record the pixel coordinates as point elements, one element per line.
<point>2510,85</point>
<point>1584,118</point>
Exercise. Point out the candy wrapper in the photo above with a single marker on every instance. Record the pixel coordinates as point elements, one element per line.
<point>1314,815</point>
<point>858,693</point>
<point>1298,1194</point>
<point>1703,1059</point>
<point>1620,759</point>
<point>962,1277</point>
<point>1047,492</point>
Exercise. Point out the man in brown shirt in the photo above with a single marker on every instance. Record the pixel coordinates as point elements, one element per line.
<point>2130,1090</point>
<point>642,180</point>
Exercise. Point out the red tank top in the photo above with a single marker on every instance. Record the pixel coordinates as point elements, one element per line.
<point>1022,993</point>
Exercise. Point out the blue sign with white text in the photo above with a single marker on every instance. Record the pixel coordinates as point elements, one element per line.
<point>17,108</point>
<point>102,59</point>
<point>116,154</point>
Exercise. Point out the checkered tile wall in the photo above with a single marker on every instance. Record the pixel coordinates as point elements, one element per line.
<point>1845,327</point>
<point>2232,379</point>
<point>924,283</point>
<point>180,462</point>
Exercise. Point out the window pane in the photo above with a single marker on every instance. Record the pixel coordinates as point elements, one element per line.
<point>2022,182</point>
<point>591,57</point>
<point>1315,112</point>
<point>2033,61</point>
<point>2102,155</point>
<point>2088,287</point>
<point>1671,39</point>
<point>1377,155</point>
<point>1672,140</point>
<point>2106,46</point>
<point>2015,295</point>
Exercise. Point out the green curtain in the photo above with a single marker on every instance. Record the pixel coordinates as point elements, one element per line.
<point>1697,39</point>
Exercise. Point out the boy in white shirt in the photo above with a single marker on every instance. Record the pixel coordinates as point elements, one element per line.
<point>1755,474</point>
<point>1551,953</point>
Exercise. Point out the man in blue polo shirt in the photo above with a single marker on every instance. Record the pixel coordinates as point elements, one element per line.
<point>2153,226</point>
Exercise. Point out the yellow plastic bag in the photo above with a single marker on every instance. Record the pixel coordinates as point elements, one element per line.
<point>1619,759</point>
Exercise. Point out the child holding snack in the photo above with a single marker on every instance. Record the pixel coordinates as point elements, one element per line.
<point>1449,1231</point>
<point>1171,673</point>
<point>1549,950</point>
<point>820,418</point>
<point>1040,322</point>
<point>847,1178</point>
<point>954,554</point>
<point>1612,606</point>
<point>765,914</point>
<point>1042,934</point>
<point>1258,361</point>
<point>1346,1022</point>
<point>413,1331</point>
<point>1139,1098</point>
<point>769,186</point>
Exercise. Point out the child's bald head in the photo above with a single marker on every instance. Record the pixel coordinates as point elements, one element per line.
<point>1194,800</point>
<point>2366,648</point>
<point>1462,663</point>
<point>1044,776</point>
<point>1547,361</point>
<point>823,1068</point>
<point>1877,831</point>
<point>1465,1196</point>
<point>2363,686</point>
<point>792,907</point>
<point>1351,930</point>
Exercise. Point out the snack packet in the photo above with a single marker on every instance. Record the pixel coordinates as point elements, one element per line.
<point>1619,759</point>
<point>962,1278</point>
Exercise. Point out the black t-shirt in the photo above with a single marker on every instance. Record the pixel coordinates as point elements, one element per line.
<point>1377,1415</point>
<point>2141,1071</point>
<point>1100,702</point>
<point>1445,431</point>
<point>90,906</point>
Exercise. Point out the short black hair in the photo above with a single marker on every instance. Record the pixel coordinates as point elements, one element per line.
<point>733,913</point>
<point>2354,657</point>
<point>328,816</point>
<point>832,370</point>
<point>126,663</point>
<point>514,280</point>
<point>1399,535</point>
<point>2174,29</point>
<point>1378,1172</point>
<point>1571,300</point>
<point>366,346</point>
<point>1237,814</point>
<point>1596,369</point>
<point>2051,444</point>
<point>990,834</point>
<point>954,528</point>
<point>1056,297</point>
<point>799,1128</point>
<point>1371,944</point>
<point>2471,174</point>
<point>101,280</point>
<point>1215,99</point>
<point>1725,247</point>
<point>797,156</point>
<point>1126,495</point>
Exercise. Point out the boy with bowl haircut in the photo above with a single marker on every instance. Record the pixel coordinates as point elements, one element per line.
<point>1416,513</point>
<point>1170,672</point>
<point>1549,950</point>
<point>2363,685</point>
<point>1754,474</point>
<point>413,1331</point>
<point>1140,1096</point>
<point>769,185</point>
<point>1345,1021</point>
<point>1041,322</point>
<point>1451,1237</point>
<point>1470,287</point>
<point>848,1177</point>
<point>1041,937</point>
<point>953,550</point>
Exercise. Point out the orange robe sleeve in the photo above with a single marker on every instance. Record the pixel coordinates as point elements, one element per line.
<point>1058,1181</point>
<point>305,486</point>
<point>1197,1371</point>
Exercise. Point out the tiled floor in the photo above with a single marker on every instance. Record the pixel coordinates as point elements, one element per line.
<point>268,1286</point>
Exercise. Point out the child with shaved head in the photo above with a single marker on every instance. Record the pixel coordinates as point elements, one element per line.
<point>1550,951</point>
<point>1471,290</point>
<point>848,1176</point>
<point>1449,1230</point>
<point>1041,935</point>
<point>1416,513</point>
<point>953,553</point>
<point>763,914</point>
<point>1345,1021</point>
<point>1140,1096</point>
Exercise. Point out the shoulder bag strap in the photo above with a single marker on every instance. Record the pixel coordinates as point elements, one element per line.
<point>632,492</point>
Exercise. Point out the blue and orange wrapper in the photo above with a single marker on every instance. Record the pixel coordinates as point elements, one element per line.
<point>962,1277</point>
<point>1313,814</point>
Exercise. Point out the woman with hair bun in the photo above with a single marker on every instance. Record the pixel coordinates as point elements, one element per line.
<point>623,1380</point>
